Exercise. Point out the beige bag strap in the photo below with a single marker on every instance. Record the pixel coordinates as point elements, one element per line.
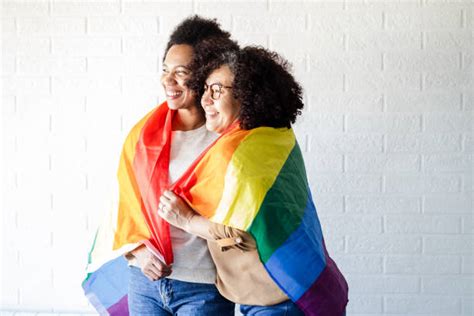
<point>228,242</point>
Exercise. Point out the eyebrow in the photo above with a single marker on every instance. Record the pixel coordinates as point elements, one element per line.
<point>183,66</point>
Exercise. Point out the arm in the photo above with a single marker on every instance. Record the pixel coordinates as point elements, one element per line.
<point>178,213</point>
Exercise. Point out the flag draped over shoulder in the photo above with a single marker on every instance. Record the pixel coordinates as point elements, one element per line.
<point>255,180</point>
<point>142,177</point>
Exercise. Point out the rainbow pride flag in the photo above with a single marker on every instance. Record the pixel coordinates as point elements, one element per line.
<point>252,180</point>
<point>142,177</point>
<point>255,180</point>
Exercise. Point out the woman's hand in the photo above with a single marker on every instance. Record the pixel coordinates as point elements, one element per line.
<point>175,210</point>
<point>152,267</point>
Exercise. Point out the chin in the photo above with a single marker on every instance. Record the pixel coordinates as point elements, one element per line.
<point>173,105</point>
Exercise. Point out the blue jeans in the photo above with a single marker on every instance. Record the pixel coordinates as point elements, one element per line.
<point>287,308</point>
<point>173,297</point>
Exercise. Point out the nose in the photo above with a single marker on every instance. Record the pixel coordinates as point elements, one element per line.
<point>206,98</point>
<point>168,78</point>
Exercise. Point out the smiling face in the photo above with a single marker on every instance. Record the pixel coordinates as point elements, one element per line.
<point>175,73</point>
<point>220,113</point>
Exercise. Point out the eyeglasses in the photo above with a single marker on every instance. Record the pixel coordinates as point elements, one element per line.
<point>216,90</point>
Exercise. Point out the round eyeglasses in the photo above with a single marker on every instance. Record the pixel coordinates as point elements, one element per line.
<point>216,90</point>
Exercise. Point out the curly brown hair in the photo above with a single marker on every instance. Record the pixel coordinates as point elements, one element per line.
<point>268,93</point>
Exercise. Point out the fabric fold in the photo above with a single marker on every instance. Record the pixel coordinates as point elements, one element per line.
<point>133,220</point>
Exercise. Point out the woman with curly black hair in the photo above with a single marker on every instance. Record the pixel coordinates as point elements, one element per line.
<point>182,282</point>
<point>248,193</point>
<point>169,271</point>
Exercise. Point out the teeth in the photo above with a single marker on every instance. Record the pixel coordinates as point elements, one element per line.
<point>173,93</point>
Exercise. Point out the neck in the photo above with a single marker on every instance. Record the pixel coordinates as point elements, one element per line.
<point>188,119</point>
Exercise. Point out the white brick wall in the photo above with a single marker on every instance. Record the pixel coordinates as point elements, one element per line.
<point>386,133</point>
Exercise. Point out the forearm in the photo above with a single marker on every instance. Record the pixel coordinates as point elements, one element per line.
<point>200,226</point>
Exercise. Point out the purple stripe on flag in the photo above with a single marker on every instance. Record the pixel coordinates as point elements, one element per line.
<point>328,295</point>
<point>120,308</point>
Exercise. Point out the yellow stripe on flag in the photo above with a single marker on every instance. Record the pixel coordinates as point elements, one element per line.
<point>248,178</point>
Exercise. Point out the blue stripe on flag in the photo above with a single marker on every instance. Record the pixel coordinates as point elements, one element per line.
<point>108,284</point>
<point>299,261</point>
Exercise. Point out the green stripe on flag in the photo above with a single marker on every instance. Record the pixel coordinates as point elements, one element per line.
<point>283,207</point>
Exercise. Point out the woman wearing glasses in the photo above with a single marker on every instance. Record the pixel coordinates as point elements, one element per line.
<point>248,194</point>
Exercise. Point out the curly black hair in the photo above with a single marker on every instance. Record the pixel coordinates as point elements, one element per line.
<point>268,93</point>
<point>210,54</point>
<point>194,29</point>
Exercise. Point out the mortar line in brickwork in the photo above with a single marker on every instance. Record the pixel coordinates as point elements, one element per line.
<point>344,123</point>
<point>87,64</point>
<point>15,23</point>
<point>382,61</point>
<point>384,143</point>
<point>422,82</point>
<point>421,122</point>
<point>50,82</point>
<point>15,64</point>
<point>463,19</point>
<point>122,46</point>
<point>383,184</point>
<point>423,246</point>
<point>461,61</point>
<point>344,161</point>
<point>384,224</point>
<point>423,40</point>
<point>422,204</point>
<point>344,88</point>
<point>462,102</point>
<point>384,21</point>
<point>87,26</point>
<point>50,127</point>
